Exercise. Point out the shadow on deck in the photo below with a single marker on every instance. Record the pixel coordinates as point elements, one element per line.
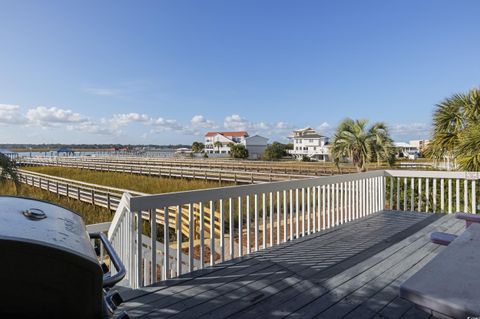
<point>351,271</point>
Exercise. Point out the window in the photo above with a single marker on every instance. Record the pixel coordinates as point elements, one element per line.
<point>310,140</point>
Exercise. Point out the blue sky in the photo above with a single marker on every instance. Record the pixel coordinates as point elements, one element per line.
<point>167,71</point>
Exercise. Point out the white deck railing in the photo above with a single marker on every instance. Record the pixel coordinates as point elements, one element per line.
<point>432,191</point>
<point>251,217</point>
<point>254,217</point>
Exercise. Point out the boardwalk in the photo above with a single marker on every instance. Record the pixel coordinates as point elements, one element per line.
<point>351,271</point>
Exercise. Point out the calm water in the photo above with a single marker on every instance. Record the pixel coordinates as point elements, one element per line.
<point>159,153</point>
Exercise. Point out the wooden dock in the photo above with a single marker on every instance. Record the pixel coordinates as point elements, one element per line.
<point>351,271</point>
<point>238,172</point>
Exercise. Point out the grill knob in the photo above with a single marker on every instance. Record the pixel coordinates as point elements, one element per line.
<point>34,214</point>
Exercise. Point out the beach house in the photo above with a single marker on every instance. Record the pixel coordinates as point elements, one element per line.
<point>307,143</point>
<point>218,144</point>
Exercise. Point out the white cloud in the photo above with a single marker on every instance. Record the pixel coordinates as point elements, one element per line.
<point>325,129</point>
<point>10,114</point>
<point>94,128</point>
<point>236,123</point>
<point>119,120</point>
<point>201,121</point>
<point>410,130</point>
<point>102,91</point>
<point>163,125</point>
<point>53,116</point>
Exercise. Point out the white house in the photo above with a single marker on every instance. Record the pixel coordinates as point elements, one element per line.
<point>306,142</point>
<point>419,144</point>
<point>410,150</point>
<point>217,143</point>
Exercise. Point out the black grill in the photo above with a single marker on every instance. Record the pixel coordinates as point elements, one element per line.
<point>49,268</point>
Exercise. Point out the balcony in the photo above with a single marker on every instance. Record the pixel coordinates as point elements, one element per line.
<point>336,246</point>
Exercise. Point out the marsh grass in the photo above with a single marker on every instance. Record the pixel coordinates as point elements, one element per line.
<point>93,214</point>
<point>140,183</point>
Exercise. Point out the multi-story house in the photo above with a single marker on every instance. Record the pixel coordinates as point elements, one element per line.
<point>217,143</point>
<point>307,143</point>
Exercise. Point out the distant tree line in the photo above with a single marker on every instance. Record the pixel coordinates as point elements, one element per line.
<point>27,147</point>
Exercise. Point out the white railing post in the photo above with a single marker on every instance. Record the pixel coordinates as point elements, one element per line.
<point>153,245</point>
<point>139,250</point>
<point>166,245</point>
<point>178,231</point>
<point>191,239</point>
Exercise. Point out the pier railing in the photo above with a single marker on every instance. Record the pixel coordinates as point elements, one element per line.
<point>180,171</point>
<point>271,167</point>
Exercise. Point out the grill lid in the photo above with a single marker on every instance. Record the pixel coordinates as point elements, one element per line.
<point>43,223</point>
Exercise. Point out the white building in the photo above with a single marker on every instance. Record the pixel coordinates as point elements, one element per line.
<point>419,144</point>
<point>217,143</point>
<point>306,142</point>
<point>410,150</point>
<point>255,145</point>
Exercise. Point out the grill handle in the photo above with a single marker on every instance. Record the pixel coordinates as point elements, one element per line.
<point>110,281</point>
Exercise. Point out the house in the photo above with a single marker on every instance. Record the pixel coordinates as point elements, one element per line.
<point>410,150</point>
<point>255,146</point>
<point>419,144</point>
<point>306,142</point>
<point>218,143</point>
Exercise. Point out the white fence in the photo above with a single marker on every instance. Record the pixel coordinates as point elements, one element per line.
<point>432,191</point>
<point>254,217</point>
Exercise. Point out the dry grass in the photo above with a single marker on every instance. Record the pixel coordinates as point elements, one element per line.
<point>140,183</point>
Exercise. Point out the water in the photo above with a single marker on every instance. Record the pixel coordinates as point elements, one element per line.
<point>153,153</point>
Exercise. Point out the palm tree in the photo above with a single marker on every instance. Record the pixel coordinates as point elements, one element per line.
<point>353,139</point>
<point>381,145</point>
<point>8,170</point>
<point>218,144</point>
<point>456,121</point>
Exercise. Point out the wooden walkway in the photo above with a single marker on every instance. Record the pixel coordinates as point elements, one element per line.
<point>351,271</point>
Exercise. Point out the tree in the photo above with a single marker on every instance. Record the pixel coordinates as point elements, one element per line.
<point>8,170</point>
<point>362,144</point>
<point>381,145</point>
<point>197,147</point>
<point>275,151</point>
<point>238,151</point>
<point>456,125</point>
<point>218,144</point>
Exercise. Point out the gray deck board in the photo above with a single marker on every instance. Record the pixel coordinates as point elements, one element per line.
<point>350,271</point>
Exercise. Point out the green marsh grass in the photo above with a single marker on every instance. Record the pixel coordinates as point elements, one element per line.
<point>140,183</point>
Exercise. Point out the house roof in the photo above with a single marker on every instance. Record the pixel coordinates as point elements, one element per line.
<point>239,133</point>
<point>306,136</point>
<point>401,144</point>
<point>304,129</point>
<point>6,151</point>
<point>256,135</point>
<point>65,150</point>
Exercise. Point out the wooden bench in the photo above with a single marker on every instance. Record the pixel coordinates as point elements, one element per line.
<point>449,285</point>
<point>445,239</point>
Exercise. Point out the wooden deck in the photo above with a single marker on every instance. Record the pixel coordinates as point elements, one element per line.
<point>351,271</point>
